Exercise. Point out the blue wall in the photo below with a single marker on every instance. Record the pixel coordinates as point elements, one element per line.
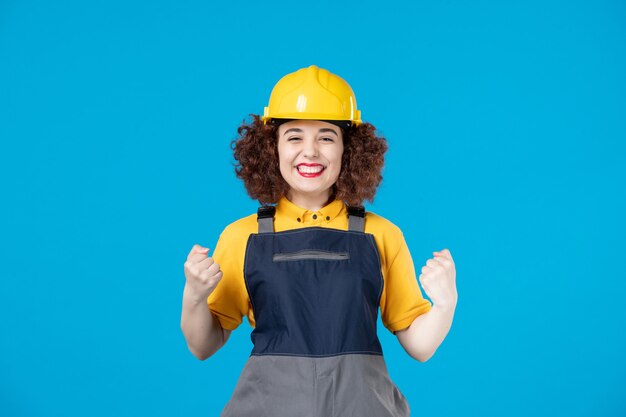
<point>506,125</point>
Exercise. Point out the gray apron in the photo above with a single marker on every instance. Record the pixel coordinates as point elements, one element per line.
<point>315,294</point>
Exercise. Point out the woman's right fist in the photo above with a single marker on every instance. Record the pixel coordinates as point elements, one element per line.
<point>202,273</point>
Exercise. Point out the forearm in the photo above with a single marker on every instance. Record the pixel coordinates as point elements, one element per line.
<point>422,338</point>
<point>202,330</point>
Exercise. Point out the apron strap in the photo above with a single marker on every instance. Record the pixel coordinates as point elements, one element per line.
<point>265,218</point>
<point>356,218</point>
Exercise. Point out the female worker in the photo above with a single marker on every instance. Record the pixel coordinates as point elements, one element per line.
<point>311,268</point>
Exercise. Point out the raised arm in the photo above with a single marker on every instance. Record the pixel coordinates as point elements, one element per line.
<point>202,330</point>
<point>426,333</point>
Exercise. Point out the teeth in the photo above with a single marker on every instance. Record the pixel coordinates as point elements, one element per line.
<point>309,170</point>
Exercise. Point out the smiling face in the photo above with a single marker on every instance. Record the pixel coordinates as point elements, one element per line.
<point>309,153</point>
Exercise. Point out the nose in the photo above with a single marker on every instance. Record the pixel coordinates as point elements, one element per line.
<point>310,149</point>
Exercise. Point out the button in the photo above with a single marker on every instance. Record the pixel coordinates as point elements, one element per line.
<point>299,219</point>
<point>314,216</point>
<point>327,217</point>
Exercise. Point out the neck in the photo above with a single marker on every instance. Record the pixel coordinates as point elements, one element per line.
<point>308,201</point>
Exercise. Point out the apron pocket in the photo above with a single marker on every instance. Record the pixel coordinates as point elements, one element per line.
<point>319,255</point>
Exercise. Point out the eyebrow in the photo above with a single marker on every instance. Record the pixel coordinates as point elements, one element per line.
<point>322,130</point>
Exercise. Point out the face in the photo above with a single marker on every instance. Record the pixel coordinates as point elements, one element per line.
<point>310,153</point>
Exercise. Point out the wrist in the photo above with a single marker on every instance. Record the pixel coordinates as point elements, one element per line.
<point>193,296</point>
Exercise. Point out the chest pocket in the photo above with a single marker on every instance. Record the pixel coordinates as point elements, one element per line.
<point>318,255</point>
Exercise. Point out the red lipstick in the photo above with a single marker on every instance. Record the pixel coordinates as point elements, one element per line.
<point>310,174</point>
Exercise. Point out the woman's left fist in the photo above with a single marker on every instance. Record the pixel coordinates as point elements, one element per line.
<point>438,278</point>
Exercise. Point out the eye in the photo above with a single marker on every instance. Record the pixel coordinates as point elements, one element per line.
<point>295,138</point>
<point>328,139</point>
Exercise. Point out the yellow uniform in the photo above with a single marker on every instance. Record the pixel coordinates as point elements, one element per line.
<point>401,300</point>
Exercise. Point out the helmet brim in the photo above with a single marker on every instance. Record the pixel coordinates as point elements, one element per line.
<point>344,124</point>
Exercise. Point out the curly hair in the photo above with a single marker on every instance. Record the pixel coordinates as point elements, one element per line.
<point>256,153</point>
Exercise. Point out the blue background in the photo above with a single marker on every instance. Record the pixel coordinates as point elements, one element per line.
<point>506,125</point>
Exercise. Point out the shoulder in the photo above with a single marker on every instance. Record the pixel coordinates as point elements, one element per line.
<point>388,236</point>
<point>379,225</point>
<point>241,228</point>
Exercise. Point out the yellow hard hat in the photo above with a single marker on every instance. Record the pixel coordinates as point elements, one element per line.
<point>312,93</point>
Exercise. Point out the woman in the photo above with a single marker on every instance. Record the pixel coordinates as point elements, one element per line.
<point>311,272</point>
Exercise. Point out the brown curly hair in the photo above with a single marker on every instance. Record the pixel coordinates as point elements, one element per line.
<point>256,152</point>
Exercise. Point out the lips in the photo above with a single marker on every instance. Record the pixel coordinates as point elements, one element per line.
<point>310,170</point>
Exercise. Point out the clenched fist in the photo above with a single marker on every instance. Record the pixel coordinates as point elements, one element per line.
<point>202,273</point>
<point>438,278</point>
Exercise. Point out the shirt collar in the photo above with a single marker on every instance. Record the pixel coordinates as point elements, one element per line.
<point>284,207</point>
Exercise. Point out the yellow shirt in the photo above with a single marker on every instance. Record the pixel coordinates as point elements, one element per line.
<point>400,303</point>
